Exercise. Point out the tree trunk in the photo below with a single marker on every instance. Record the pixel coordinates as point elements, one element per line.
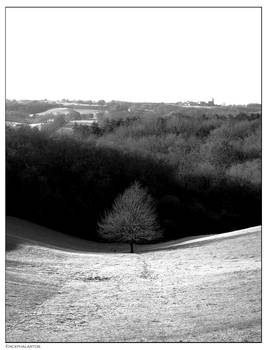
<point>132,247</point>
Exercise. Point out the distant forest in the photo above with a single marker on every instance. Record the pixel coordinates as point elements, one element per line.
<point>201,168</point>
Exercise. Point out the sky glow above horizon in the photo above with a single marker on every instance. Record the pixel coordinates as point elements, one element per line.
<point>154,55</point>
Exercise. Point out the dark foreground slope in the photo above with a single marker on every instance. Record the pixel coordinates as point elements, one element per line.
<point>208,291</point>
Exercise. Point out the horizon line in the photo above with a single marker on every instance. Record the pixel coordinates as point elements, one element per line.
<point>130,101</point>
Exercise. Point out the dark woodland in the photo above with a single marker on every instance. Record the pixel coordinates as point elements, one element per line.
<point>201,167</point>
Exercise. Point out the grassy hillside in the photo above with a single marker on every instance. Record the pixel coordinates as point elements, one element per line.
<point>75,291</point>
<point>68,114</point>
<point>18,111</point>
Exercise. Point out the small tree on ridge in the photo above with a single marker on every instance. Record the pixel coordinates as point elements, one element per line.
<point>132,219</point>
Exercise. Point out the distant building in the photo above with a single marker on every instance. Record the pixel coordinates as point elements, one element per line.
<point>39,126</point>
<point>211,103</point>
<point>14,124</point>
<point>81,122</point>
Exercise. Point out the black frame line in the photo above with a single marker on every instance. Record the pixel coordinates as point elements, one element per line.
<point>148,7</point>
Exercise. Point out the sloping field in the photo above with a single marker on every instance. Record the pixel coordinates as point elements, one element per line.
<point>69,113</point>
<point>56,111</point>
<point>83,111</point>
<point>59,288</point>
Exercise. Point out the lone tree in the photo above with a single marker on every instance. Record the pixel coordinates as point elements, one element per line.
<point>132,219</point>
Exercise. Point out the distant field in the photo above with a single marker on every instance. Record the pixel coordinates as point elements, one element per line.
<point>59,288</point>
<point>86,110</point>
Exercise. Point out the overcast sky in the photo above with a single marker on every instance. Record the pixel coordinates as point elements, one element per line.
<point>161,55</point>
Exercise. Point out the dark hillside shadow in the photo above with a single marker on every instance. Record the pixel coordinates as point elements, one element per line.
<point>21,232</point>
<point>11,244</point>
<point>68,185</point>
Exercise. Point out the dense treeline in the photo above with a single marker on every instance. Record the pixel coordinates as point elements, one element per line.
<point>204,173</point>
<point>219,146</point>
